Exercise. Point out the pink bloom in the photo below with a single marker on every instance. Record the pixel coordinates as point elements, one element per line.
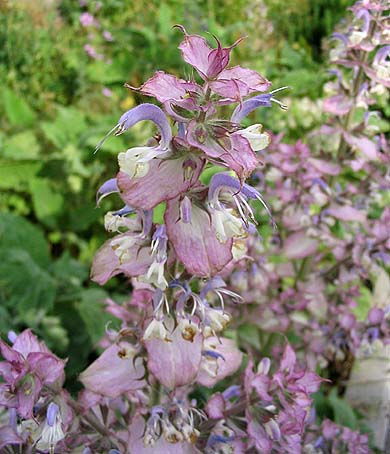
<point>232,83</point>
<point>87,20</point>
<point>127,253</point>
<point>107,92</point>
<point>108,36</point>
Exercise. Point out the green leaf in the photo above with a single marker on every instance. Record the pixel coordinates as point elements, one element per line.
<point>24,286</point>
<point>15,175</point>
<point>158,213</point>
<point>21,146</point>
<point>16,232</point>
<point>68,126</point>
<point>209,172</point>
<point>364,304</point>
<point>343,412</point>
<point>250,334</point>
<point>19,113</point>
<point>91,310</point>
<point>47,203</point>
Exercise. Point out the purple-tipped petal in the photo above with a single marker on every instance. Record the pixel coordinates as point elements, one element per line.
<point>165,180</point>
<point>248,106</point>
<point>115,372</point>
<point>196,243</point>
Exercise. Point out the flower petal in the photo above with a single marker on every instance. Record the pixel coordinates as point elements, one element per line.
<point>174,362</point>
<point>195,243</point>
<point>165,180</point>
<point>115,371</point>
<point>228,363</point>
<point>107,264</point>
<point>207,61</point>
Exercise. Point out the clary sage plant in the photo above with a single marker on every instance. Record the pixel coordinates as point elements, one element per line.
<point>175,378</point>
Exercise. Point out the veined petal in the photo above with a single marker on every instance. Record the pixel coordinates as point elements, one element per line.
<point>174,362</point>
<point>195,243</point>
<point>166,87</point>
<point>207,61</point>
<point>165,180</point>
<point>115,371</point>
<point>107,264</point>
<point>237,82</point>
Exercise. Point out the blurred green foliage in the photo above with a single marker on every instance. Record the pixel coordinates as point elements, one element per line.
<point>53,112</point>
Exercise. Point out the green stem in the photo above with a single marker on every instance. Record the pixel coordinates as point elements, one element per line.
<point>343,146</point>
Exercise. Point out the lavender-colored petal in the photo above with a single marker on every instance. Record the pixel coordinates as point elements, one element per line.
<point>51,413</point>
<point>108,187</point>
<point>341,38</point>
<point>382,54</point>
<point>365,16</point>
<point>248,106</point>
<point>139,113</point>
